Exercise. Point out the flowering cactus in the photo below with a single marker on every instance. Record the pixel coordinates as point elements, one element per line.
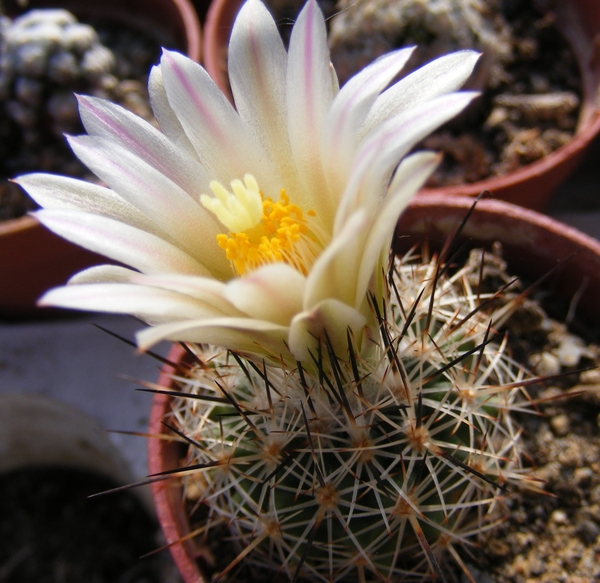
<point>369,469</point>
<point>341,423</point>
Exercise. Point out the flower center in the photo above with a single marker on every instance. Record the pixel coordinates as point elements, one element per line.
<point>262,231</point>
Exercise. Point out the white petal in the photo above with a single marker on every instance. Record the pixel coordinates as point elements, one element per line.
<point>150,304</point>
<point>166,118</point>
<point>348,112</point>
<point>443,75</point>
<point>272,293</point>
<point>139,249</point>
<point>105,119</point>
<point>223,143</point>
<point>202,289</point>
<point>240,334</point>
<point>380,151</point>
<point>309,96</point>
<point>257,63</point>
<point>207,291</point>
<point>64,193</point>
<point>103,274</point>
<point>410,176</point>
<point>185,222</point>
<point>330,320</point>
<point>334,274</point>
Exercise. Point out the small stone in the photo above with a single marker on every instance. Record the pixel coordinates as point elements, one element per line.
<point>62,107</point>
<point>497,548</point>
<point>590,377</point>
<point>588,531</point>
<point>519,566</point>
<point>548,364</point>
<point>570,350</point>
<point>31,60</point>
<point>560,424</point>
<point>583,475</point>
<point>23,115</point>
<point>29,91</point>
<point>192,491</point>
<point>536,566</point>
<point>108,82</point>
<point>550,393</point>
<point>498,116</point>
<point>525,539</point>
<point>559,517</point>
<point>98,61</point>
<point>79,37</point>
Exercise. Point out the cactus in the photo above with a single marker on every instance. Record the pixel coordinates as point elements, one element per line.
<point>362,31</point>
<point>371,466</point>
<point>46,57</point>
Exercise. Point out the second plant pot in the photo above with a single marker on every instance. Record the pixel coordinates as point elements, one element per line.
<point>531,185</point>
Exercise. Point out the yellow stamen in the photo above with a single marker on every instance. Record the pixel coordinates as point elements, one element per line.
<point>280,232</point>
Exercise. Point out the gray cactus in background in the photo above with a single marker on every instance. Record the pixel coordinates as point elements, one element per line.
<point>46,56</point>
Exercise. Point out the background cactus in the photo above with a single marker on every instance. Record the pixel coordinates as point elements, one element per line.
<point>360,467</point>
<point>46,57</point>
<point>436,27</point>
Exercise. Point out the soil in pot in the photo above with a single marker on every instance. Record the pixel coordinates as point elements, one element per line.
<point>51,532</point>
<point>37,81</point>
<point>553,536</point>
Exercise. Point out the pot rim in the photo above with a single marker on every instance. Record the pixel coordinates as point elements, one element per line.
<point>167,493</point>
<point>19,224</point>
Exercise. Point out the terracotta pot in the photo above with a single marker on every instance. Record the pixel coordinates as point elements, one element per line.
<point>217,30</point>
<point>532,243</point>
<point>531,186</point>
<point>167,494</point>
<point>32,259</point>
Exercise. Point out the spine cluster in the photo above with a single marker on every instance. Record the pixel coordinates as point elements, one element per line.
<point>374,465</point>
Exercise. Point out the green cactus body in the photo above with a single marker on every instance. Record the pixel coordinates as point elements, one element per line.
<point>351,468</point>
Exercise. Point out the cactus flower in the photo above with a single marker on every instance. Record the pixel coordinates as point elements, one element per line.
<point>263,227</point>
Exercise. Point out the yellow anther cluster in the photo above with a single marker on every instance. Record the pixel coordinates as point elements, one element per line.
<point>281,236</point>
